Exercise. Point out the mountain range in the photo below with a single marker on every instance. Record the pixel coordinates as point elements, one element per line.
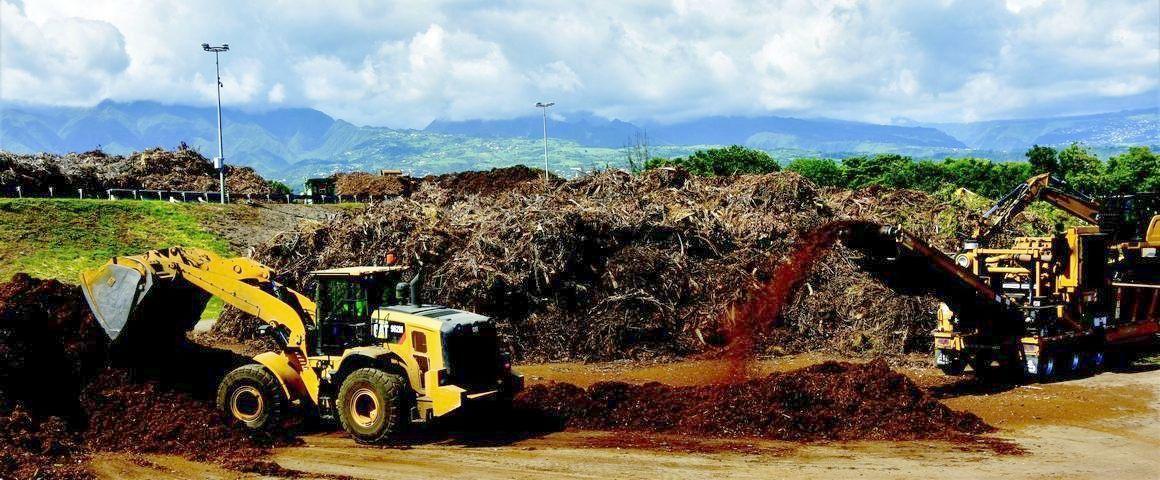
<point>296,143</point>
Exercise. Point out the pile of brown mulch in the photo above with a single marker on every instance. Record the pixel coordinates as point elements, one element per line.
<point>828,401</point>
<point>59,400</point>
<point>167,421</point>
<point>36,447</point>
<point>491,182</point>
<point>181,169</point>
<point>748,321</point>
<point>366,184</point>
<point>49,347</point>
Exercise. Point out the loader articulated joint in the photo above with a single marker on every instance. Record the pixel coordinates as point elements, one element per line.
<point>280,335</point>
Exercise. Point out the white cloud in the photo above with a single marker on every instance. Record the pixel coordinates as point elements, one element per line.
<point>556,77</point>
<point>61,60</point>
<point>402,64</point>
<point>277,93</point>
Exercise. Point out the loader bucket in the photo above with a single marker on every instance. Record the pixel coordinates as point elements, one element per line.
<point>113,293</point>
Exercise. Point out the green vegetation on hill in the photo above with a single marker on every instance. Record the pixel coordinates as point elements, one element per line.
<point>60,238</point>
<point>1137,170</point>
<point>731,160</point>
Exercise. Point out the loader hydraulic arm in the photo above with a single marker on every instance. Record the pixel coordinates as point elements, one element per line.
<point>155,286</point>
<point>1040,187</point>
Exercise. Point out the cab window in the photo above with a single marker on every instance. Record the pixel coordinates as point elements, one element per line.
<point>381,292</point>
<point>343,314</point>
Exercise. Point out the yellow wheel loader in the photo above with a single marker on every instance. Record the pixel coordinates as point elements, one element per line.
<point>364,351</point>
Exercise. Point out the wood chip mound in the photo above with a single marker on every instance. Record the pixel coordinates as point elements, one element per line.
<point>61,401</point>
<point>824,402</point>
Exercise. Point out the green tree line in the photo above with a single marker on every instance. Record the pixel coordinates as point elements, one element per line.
<point>1137,170</point>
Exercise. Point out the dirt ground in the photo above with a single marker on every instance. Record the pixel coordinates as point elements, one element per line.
<point>1100,426</point>
<point>246,226</point>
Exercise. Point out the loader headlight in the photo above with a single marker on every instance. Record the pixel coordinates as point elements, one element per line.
<point>442,375</point>
<point>963,261</point>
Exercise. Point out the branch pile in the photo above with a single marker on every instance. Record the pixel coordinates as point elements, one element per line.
<point>362,183</point>
<point>613,265</point>
<point>492,182</point>
<point>156,169</point>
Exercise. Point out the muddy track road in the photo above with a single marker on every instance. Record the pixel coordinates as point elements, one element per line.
<point>1101,426</point>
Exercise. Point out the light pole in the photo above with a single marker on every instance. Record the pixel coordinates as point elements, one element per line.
<point>545,106</point>
<point>220,161</point>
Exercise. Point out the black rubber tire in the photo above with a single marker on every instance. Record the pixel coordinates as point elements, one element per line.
<point>1096,360</point>
<point>981,364</point>
<point>1042,373</point>
<point>371,386</point>
<point>256,381</point>
<point>1049,371</point>
<point>1075,364</point>
<point>953,369</point>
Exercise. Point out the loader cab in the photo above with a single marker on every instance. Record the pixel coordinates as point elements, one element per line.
<point>1128,218</point>
<point>346,298</point>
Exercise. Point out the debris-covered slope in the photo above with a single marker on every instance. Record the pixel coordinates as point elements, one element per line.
<point>60,399</point>
<point>366,184</point>
<point>615,265</point>
<point>182,169</point>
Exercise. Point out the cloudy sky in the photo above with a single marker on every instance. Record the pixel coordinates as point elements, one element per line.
<point>402,64</point>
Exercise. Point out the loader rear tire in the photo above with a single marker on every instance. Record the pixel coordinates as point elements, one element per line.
<point>952,369</point>
<point>253,396</point>
<point>371,405</point>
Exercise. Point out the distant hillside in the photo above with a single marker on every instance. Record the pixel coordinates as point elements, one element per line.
<point>828,136</point>
<point>267,141</point>
<point>1133,127</point>
<point>759,132</point>
<point>290,144</point>
<point>583,128</point>
<point>814,134</point>
<point>293,144</point>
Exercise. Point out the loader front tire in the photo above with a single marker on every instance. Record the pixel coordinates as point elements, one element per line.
<point>253,396</point>
<point>371,405</point>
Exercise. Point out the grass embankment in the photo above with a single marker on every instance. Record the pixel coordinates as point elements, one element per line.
<point>60,238</point>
